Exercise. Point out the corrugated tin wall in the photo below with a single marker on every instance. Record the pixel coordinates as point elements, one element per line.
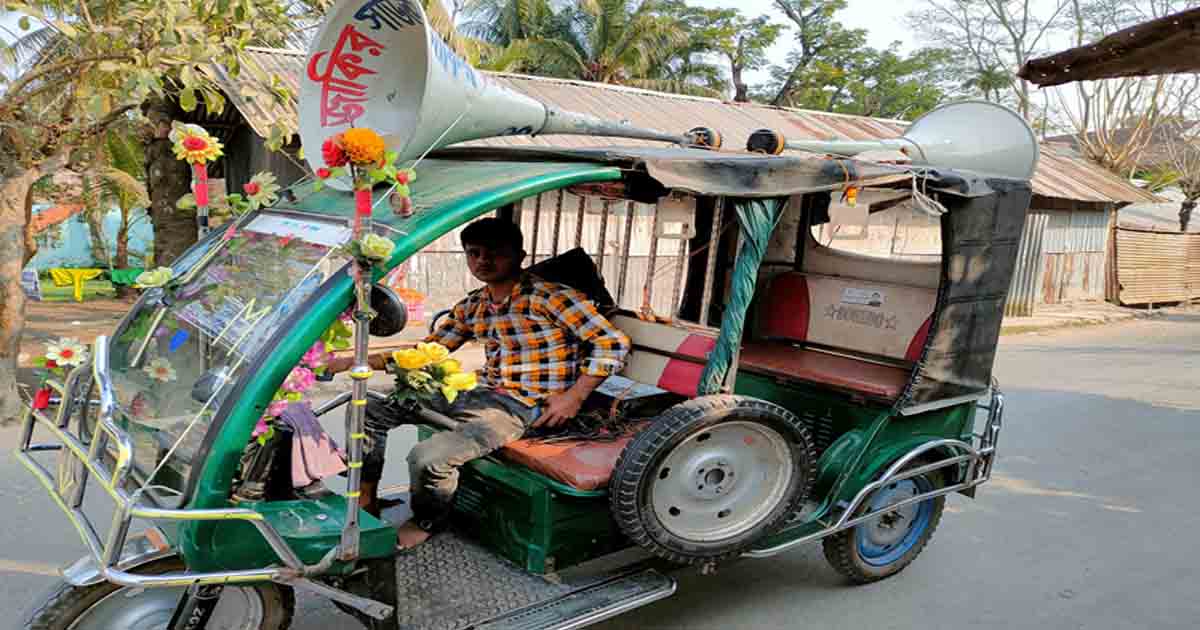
<point>1157,267</point>
<point>1023,293</point>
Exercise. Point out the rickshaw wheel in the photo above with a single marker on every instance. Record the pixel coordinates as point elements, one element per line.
<point>884,546</point>
<point>264,606</point>
<point>711,476</point>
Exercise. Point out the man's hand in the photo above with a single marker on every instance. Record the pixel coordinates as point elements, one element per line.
<point>559,408</point>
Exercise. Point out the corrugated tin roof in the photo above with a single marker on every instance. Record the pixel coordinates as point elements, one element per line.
<point>1059,173</point>
<point>1155,216</point>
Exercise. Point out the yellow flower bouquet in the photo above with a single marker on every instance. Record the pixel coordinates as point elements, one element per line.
<point>426,372</point>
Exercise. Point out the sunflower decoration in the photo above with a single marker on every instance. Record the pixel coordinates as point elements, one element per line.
<point>195,146</point>
<point>362,153</point>
<point>427,371</point>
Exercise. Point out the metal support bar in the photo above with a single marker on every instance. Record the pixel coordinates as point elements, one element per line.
<point>369,607</point>
<point>625,253</point>
<point>711,266</point>
<point>562,194</point>
<point>648,290</point>
<point>537,224</point>
<point>680,262</point>
<point>579,221</point>
<point>603,235</point>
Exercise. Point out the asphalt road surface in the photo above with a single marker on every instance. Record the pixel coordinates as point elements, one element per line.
<point>1091,520</point>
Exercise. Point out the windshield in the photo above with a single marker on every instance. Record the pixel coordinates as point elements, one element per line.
<point>188,341</point>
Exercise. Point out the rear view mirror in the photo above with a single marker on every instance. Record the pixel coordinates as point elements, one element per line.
<point>391,314</point>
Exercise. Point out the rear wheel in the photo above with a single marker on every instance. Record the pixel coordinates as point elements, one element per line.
<point>885,545</point>
<point>106,606</point>
<point>710,477</point>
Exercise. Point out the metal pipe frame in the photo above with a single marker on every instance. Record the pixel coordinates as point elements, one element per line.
<point>979,470</point>
<point>106,553</point>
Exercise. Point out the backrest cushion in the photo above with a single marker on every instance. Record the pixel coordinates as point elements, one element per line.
<point>785,310</point>
<point>664,355</point>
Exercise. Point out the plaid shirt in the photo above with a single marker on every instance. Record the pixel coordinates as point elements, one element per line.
<point>535,340</point>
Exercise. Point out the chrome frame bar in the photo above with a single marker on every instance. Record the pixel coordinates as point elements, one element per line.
<point>89,460</point>
<point>979,462</point>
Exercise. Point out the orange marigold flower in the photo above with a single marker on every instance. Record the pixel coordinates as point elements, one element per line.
<point>363,146</point>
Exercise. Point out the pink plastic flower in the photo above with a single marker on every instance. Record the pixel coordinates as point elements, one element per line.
<point>261,428</point>
<point>276,408</point>
<point>317,356</point>
<point>251,188</point>
<point>300,380</point>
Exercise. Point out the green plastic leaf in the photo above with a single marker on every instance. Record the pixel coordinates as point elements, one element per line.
<point>187,99</point>
<point>24,23</point>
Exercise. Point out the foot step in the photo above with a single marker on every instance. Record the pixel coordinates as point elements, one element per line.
<point>589,605</point>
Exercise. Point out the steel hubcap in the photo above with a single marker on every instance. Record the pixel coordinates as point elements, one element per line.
<point>890,528</point>
<point>722,482</point>
<point>151,609</point>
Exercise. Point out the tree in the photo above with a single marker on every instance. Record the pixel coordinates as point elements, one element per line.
<point>107,58</point>
<point>742,42</point>
<point>821,44</point>
<point>991,35</point>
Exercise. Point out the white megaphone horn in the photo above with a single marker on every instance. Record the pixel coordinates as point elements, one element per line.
<point>976,136</point>
<point>380,65</point>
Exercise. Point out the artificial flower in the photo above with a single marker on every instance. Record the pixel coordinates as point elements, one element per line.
<point>363,146</point>
<point>332,153</point>
<point>434,352</point>
<point>450,393</point>
<point>155,278</point>
<point>193,144</point>
<point>261,191</point>
<point>324,173</point>
<point>277,407</point>
<point>405,177</point>
<point>317,356</point>
<point>160,370</point>
<point>410,359</point>
<point>449,366</point>
<point>463,381</point>
<point>376,247</point>
<point>66,351</point>
<point>41,398</point>
<point>262,428</point>
<point>300,380</point>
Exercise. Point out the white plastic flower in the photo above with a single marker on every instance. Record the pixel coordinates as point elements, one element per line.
<point>160,370</point>
<point>67,351</point>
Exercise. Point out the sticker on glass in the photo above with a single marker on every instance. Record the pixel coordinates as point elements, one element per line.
<point>865,297</point>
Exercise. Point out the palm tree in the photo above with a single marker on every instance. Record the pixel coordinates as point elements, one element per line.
<point>606,41</point>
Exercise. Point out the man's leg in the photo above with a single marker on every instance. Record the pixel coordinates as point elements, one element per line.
<point>490,420</point>
<point>381,417</point>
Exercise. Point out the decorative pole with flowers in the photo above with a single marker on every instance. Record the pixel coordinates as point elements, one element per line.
<point>195,146</point>
<point>362,152</point>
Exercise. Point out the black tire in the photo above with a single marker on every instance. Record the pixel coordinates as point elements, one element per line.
<point>64,603</point>
<point>634,475</point>
<point>849,554</point>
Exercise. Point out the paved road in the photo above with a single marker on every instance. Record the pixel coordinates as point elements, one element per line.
<point>1090,523</point>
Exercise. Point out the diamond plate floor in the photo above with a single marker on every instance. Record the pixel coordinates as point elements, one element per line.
<point>439,585</point>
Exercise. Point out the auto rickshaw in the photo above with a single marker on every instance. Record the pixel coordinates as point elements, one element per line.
<point>786,394</point>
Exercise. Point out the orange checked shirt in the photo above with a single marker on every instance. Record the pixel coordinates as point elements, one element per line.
<point>538,341</point>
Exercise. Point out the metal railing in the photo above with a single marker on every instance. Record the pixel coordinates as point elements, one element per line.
<point>80,462</point>
<point>978,459</point>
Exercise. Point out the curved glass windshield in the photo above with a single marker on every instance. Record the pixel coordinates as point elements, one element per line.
<point>188,341</point>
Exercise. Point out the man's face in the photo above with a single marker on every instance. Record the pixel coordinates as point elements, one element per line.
<point>493,264</point>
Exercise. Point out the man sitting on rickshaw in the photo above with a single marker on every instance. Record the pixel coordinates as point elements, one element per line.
<point>546,347</point>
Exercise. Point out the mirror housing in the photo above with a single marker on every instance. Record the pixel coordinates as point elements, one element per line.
<point>391,313</point>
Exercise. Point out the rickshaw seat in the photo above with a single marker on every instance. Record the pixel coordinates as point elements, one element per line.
<point>581,464</point>
<point>884,382</point>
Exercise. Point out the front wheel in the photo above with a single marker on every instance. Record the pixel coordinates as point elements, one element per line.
<point>106,606</point>
<point>885,545</point>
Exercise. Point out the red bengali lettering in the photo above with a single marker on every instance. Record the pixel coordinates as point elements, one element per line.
<point>342,95</point>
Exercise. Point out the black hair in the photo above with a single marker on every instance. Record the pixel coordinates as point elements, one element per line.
<point>493,232</point>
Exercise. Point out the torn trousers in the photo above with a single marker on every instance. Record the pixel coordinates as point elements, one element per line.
<point>490,419</point>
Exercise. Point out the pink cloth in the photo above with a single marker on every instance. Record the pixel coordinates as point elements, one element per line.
<point>315,456</point>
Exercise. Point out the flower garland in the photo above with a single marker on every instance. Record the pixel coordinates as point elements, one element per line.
<point>67,352</point>
<point>196,147</point>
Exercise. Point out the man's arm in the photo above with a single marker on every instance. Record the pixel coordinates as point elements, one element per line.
<point>609,349</point>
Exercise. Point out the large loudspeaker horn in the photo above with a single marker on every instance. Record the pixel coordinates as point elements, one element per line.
<point>378,64</point>
<point>977,136</point>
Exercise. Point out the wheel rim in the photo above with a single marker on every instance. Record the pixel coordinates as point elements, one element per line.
<point>886,539</point>
<point>151,609</point>
<point>722,481</point>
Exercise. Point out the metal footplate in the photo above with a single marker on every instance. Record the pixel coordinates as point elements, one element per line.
<point>589,605</point>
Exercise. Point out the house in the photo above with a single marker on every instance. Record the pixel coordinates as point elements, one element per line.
<point>1061,259</point>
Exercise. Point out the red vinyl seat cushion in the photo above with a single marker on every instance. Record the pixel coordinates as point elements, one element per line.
<point>870,379</point>
<point>581,464</point>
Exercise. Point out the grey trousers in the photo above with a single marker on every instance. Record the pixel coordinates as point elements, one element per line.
<point>489,421</point>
